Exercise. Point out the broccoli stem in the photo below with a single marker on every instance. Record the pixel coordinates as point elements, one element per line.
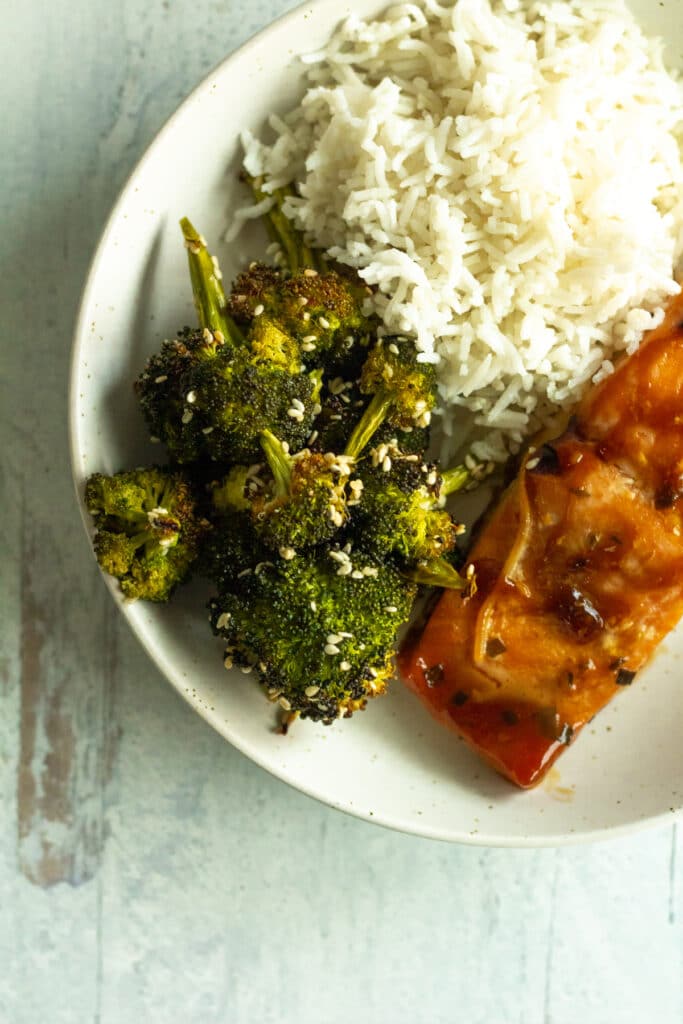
<point>371,420</point>
<point>298,254</point>
<point>209,297</point>
<point>279,462</point>
<point>453,480</point>
<point>438,573</point>
<point>317,377</point>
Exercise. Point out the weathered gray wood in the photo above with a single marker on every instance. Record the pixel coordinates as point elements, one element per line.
<point>148,872</point>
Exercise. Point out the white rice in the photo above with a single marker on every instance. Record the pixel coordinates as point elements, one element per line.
<point>508,175</point>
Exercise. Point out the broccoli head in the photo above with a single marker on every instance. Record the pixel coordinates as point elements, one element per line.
<point>205,399</point>
<point>322,308</point>
<point>306,502</point>
<point>403,391</point>
<point>319,630</point>
<point>210,393</point>
<point>149,533</point>
<point>400,515</point>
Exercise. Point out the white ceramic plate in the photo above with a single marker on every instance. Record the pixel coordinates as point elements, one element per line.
<point>392,764</point>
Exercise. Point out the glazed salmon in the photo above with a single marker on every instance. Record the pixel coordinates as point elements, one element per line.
<point>579,572</point>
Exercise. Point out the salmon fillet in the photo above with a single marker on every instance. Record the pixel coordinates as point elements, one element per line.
<point>579,571</point>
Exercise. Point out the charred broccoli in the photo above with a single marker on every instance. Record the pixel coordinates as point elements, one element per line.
<point>148,531</point>
<point>306,502</point>
<point>403,391</point>
<point>400,513</point>
<point>319,630</point>
<point>320,307</point>
<point>210,393</point>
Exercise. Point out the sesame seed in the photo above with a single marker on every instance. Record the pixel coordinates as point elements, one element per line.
<point>333,638</point>
<point>303,301</point>
<point>373,672</point>
<point>335,516</point>
<point>369,570</point>
<point>349,339</point>
<point>287,553</point>
<point>306,317</point>
<point>460,529</point>
<point>394,348</point>
<point>296,414</point>
<point>347,548</point>
<point>324,323</point>
<point>470,571</point>
<point>246,669</point>
<point>345,569</point>
<point>420,406</point>
<point>312,437</point>
<point>227,663</point>
<point>530,465</point>
<point>314,606</point>
<point>310,272</point>
<point>207,335</point>
<point>345,636</point>
<point>317,409</point>
<point>345,666</point>
<point>331,649</point>
<point>298,404</point>
<point>339,556</point>
<point>187,416</point>
<point>207,430</point>
<point>357,574</point>
<point>161,378</point>
<point>308,346</point>
<point>223,620</point>
<point>191,397</point>
<point>220,337</point>
<point>311,691</point>
<point>411,458</point>
<point>285,447</point>
<point>259,309</point>
<point>336,386</point>
<point>431,479</point>
<point>391,609</point>
<point>386,463</point>
<point>284,703</point>
<point>245,572</point>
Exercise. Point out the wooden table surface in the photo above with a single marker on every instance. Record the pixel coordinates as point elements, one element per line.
<point>148,871</point>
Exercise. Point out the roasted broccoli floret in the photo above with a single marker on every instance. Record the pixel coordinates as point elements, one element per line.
<point>400,512</point>
<point>319,630</point>
<point>403,391</point>
<point>306,502</point>
<point>149,533</point>
<point>402,516</point>
<point>210,393</point>
<point>233,547</point>
<point>320,307</point>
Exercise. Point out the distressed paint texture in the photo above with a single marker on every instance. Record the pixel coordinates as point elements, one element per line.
<point>147,870</point>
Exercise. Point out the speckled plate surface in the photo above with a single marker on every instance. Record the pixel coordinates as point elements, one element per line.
<point>392,764</point>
